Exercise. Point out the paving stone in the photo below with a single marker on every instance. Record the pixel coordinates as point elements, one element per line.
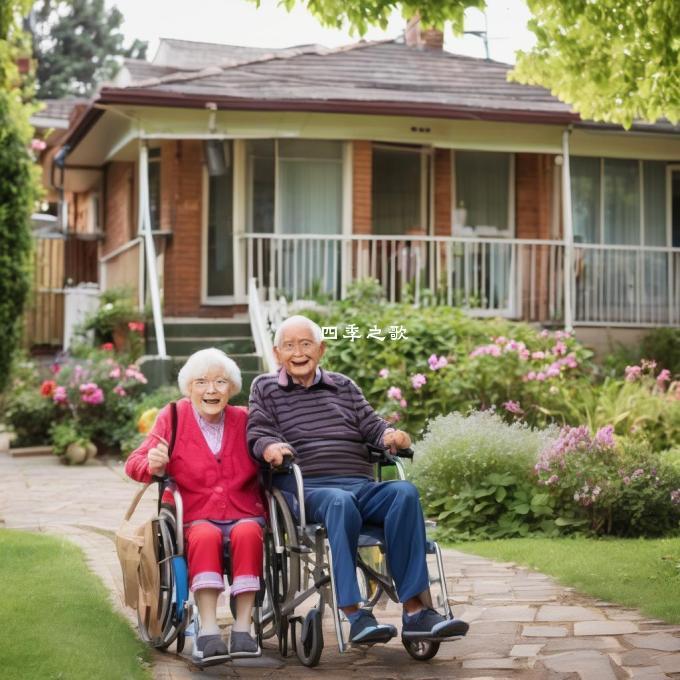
<point>558,613</point>
<point>544,631</point>
<point>590,664</point>
<point>637,657</point>
<point>646,673</point>
<point>604,627</point>
<point>526,650</point>
<point>623,615</point>
<point>500,664</point>
<point>510,613</point>
<point>662,642</point>
<point>670,663</point>
<point>610,644</point>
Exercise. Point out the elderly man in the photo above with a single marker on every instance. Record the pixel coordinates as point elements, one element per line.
<point>323,419</point>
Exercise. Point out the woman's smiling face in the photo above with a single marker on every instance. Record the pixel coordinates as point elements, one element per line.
<point>209,393</point>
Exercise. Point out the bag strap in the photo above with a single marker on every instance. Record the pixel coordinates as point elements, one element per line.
<point>171,446</point>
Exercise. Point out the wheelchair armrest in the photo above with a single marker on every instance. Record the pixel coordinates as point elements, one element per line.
<point>381,456</point>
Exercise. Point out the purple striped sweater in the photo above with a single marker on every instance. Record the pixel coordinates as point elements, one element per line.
<point>327,424</point>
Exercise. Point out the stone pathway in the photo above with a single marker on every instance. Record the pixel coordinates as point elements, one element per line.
<point>522,624</point>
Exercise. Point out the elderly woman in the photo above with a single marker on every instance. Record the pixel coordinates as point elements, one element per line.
<point>220,492</point>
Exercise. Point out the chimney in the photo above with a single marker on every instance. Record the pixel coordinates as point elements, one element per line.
<point>423,38</point>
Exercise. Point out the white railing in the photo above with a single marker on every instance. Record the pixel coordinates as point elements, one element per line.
<point>488,276</point>
<point>626,285</point>
<point>261,330</point>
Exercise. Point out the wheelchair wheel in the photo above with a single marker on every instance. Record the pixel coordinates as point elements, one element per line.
<point>308,642</point>
<point>288,564</point>
<point>421,650</point>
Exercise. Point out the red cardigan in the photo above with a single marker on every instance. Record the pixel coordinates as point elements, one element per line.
<point>222,487</point>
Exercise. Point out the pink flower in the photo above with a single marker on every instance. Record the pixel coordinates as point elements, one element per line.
<point>538,355</point>
<point>524,354</point>
<point>663,377</point>
<point>626,480</point>
<point>393,418</point>
<point>675,497</point>
<point>501,340</point>
<point>648,364</point>
<point>540,376</point>
<point>136,326</point>
<point>90,393</point>
<point>383,372</point>
<point>513,407</point>
<point>403,403</point>
<point>637,474</point>
<point>544,334</point>
<point>553,479</point>
<point>604,437</point>
<point>633,373</point>
<point>553,371</point>
<point>394,393</point>
<point>59,396</point>
<point>38,145</point>
<point>418,380</point>
<point>115,373</point>
<point>436,362</point>
<point>559,349</point>
<point>119,390</point>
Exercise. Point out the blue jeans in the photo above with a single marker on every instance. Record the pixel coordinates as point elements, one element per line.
<point>344,504</point>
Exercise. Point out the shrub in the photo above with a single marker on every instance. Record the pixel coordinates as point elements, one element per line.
<point>475,472</point>
<point>30,416</point>
<point>621,487</point>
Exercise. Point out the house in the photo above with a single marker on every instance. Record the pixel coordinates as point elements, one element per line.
<point>306,168</point>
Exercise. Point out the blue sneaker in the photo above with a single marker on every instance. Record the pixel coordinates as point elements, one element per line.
<point>428,623</point>
<point>365,630</point>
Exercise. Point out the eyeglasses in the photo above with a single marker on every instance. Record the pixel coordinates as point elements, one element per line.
<point>221,385</point>
<point>302,346</point>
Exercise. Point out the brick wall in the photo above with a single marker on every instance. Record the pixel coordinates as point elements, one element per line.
<point>534,176</point>
<point>119,201</point>
<point>442,192</point>
<point>362,187</point>
<point>182,213</point>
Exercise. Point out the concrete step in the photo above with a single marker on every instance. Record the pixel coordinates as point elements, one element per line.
<point>184,346</point>
<point>199,329</point>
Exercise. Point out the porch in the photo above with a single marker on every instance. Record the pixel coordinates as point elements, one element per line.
<point>525,279</point>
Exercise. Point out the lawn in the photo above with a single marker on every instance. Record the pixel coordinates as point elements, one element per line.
<point>633,572</point>
<point>59,622</point>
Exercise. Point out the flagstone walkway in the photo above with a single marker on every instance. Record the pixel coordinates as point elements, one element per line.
<point>522,624</point>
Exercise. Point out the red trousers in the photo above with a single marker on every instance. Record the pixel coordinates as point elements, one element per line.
<point>204,555</point>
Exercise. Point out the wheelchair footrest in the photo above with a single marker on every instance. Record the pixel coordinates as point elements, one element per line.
<point>427,637</point>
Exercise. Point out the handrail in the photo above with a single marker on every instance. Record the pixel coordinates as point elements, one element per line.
<point>261,337</point>
<point>128,245</point>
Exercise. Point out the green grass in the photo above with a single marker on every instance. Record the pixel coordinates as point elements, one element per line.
<point>58,622</point>
<point>633,572</point>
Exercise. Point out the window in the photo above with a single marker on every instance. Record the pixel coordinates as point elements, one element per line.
<point>220,235</point>
<point>397,194</point>
<point>619,201</point>
<point>483,189</point>
<point>155,188</point>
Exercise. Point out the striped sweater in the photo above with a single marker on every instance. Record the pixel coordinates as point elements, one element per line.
<point>327,424</point>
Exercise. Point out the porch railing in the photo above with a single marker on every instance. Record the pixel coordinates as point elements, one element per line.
<point>517,278</point>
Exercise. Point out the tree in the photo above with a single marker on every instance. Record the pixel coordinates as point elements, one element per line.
<point>612,60</point>
<point>77,44</point>
<point>18,188</point>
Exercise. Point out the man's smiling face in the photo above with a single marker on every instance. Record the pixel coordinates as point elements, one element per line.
<point>299,353</point>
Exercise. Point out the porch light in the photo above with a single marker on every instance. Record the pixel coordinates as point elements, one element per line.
<point>217,157</point>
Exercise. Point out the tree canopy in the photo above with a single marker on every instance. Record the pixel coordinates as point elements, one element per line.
<point>612,60</point>
<point>77,44</point>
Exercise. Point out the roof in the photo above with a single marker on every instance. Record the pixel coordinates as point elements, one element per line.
<point>192,55</point>
<point>55,113</point>
<point>363,73</point>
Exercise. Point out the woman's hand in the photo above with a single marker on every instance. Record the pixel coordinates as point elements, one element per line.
<point>274,453</point>
<point>157,457</point>
<point>396,439</point>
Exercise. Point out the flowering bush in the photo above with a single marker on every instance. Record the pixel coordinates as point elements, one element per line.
<point>475,474</point>
<point>621,487</point>
<point>98,395</point>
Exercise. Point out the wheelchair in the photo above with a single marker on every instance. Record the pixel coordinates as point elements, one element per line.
<point>299,566</point>
<point>175,610</point>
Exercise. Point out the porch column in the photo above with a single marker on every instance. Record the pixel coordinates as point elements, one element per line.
<point>568,234</point>
<point>144,225</point>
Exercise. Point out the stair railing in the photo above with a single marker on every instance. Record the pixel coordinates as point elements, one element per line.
<point>260,327</point>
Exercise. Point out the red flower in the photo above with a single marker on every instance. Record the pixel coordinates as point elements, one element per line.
<point>136,326</point>
<point>47,388</point>
<point>107,347</point>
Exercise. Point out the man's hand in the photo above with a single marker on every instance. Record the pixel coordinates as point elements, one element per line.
<point>396,439</point>
<point>157,457</point>
<point>274,453</point>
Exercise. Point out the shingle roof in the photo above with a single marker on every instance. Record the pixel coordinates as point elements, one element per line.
<point>367,72</point>
<point>55,113</point>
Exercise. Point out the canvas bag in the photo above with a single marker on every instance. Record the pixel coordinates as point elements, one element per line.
<point>137,550</point>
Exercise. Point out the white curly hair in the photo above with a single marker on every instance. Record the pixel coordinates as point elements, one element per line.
<point>201,362</point>
<point>291,321</point>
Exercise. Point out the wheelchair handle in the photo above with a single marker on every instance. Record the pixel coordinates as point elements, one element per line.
<point>382,456</point>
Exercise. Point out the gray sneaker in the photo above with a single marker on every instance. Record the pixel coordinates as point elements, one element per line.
<point>209,650</point>
<point>243,644</point>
